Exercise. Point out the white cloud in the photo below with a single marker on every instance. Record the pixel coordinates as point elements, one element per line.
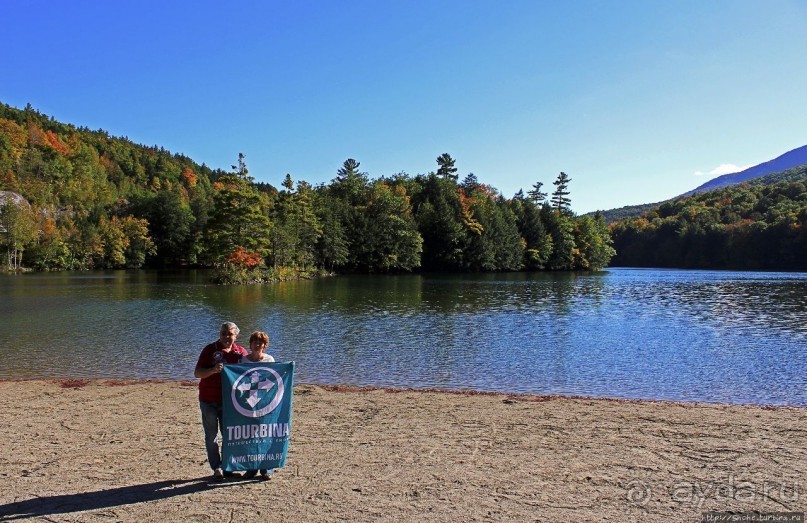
<point>725,168</point>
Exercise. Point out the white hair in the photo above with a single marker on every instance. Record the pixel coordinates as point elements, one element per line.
<point>227,326</point>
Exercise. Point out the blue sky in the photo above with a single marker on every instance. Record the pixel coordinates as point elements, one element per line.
<point>638,101</point>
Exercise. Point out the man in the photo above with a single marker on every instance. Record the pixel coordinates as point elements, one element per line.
<point>208,369</point>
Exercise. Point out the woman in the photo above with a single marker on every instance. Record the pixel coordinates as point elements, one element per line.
<point>258,342</point>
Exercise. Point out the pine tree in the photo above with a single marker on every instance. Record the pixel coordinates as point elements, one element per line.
<point>238,218</point>
<point>560,200</point>
<point>446,167</point>
<point>536,195</point>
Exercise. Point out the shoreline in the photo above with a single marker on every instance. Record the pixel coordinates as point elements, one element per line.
<point>521,396</point>
<point>132,450</point>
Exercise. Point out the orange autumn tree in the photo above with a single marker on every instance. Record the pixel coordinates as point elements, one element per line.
<point>56,144</point>
<point>190,177</point>
<point>244,259</point>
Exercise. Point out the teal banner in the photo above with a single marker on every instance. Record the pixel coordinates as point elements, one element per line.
<point>257,415</point>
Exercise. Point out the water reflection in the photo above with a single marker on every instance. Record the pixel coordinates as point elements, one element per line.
<point>685,335</point>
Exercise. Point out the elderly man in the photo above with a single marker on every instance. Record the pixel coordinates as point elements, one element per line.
<point>208,369</point>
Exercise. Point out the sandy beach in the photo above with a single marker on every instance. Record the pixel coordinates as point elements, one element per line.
<point>101,450</point>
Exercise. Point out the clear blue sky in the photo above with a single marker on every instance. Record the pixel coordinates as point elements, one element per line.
<point>638,101</point>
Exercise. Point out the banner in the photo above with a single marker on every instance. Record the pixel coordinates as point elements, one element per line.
<point>257,415</point>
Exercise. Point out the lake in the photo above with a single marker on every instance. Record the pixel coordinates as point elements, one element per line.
<point>716,336</point>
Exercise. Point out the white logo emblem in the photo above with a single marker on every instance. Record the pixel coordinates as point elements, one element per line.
<point>258,388</point>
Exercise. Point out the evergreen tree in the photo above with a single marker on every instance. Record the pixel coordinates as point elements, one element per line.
<point>285,232</point>
<point>350,184</point>
<point>350,189</point>
<point>537,242</point>
<point>536,195</point>
<point>332,246</point>
<point>469,184</point>
<point>560,227</point>
<point>510,244</point>
<point>560,199</point>
<point>392,241</point>
<point>492,241</point>
<point>438,213</point>
<point>297,227</point>
<point>446,167</point>
<point>170,222</point>
<point>238,218</point>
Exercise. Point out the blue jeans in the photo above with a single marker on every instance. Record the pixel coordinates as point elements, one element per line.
<point>211,423</point>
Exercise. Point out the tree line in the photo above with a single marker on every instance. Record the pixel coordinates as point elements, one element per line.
<point>745,226</point>
<point>97,202</point>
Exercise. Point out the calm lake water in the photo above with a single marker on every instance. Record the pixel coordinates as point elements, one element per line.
<point>631,333</point>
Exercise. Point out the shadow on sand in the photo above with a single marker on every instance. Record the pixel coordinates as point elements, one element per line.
<point>66,503</point>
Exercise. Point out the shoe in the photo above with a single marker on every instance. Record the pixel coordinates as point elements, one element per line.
<point>250,474</point>
<point>265,475</point>
<point>229,474</point>
<point>218,475</point>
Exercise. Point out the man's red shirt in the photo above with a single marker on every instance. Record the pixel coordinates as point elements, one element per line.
<point>210,387</point>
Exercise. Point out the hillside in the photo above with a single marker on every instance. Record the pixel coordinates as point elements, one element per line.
<point>629,211</point>
<point>796,174</point>
<point>747,226</point>
<point>101,202</point>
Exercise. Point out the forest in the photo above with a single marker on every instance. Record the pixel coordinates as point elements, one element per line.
<point>94,201</point>
<point>760,225</point>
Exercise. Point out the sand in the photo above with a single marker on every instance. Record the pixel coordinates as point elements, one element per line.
<point>103,450</point>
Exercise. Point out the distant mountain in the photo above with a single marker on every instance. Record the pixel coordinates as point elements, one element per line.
<point>790,159</point>
<point>790,166</point>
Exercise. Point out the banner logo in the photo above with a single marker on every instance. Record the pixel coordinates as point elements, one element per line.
<point>257,392</point>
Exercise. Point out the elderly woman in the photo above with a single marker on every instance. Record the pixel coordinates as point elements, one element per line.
<point>208,369</point>
<point>258,343</point>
